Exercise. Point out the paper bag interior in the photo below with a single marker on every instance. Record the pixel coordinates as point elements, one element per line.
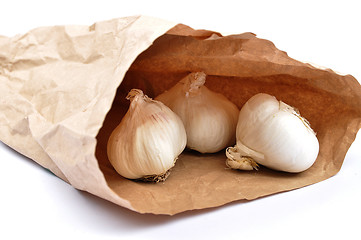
<point>238,67</point>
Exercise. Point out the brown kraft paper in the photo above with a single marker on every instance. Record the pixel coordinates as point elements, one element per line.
<point>63,91</point>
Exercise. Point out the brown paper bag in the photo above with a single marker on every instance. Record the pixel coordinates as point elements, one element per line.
<point>63,91</point>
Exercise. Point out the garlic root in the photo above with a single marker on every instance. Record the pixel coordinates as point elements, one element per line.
<point>155,178</point>
<point>236,161</point>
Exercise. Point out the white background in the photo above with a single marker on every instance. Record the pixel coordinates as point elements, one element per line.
<point>34,204</point>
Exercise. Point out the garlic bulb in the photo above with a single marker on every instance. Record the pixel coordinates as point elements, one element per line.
<point>148,140</point>
<point>209,118</point>
<point>273,134</point>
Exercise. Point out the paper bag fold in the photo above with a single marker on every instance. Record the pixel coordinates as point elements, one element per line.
<point>63,91</point>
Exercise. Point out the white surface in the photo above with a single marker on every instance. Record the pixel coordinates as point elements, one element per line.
<point>35,204</point>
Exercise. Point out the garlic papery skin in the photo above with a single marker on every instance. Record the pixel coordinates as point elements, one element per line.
<point>148,140</point>
<point>209,118</point>
<point>273,134</point>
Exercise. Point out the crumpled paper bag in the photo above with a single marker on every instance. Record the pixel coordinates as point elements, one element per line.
<point>63,88</point>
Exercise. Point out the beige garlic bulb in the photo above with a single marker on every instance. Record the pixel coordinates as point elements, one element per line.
<point>273,134</point>
<point>209,118</point>
<point>148,140</point>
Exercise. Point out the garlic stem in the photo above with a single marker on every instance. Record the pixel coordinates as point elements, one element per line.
<point>136,94</point>
<point>287,108</point>
<point>133,93</point>
<point>194,81</point>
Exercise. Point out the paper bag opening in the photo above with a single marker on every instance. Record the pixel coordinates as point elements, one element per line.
<point>238,67</point>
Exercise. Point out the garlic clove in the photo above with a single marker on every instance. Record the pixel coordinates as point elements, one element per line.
<point>273,134</point>
<point>209,118</point>
<point>148,140</point>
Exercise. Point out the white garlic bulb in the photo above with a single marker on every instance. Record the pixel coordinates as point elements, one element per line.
<point>209,118</point>
<point>273,134</point>
<point>148,140</point>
